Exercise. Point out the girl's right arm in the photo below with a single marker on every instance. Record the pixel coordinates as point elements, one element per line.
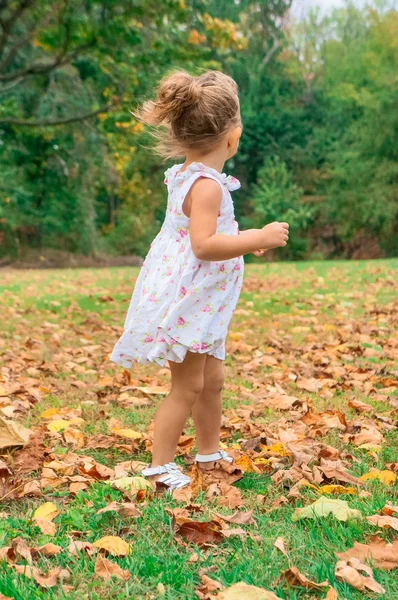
<point>205,201</point>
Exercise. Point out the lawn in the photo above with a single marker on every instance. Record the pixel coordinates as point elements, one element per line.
<point>310,400</point>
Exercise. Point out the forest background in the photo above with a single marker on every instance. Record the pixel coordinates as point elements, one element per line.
<point>319,101</point>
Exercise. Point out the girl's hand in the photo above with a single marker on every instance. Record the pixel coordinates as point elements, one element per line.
<point>260,252</point>
<point>275,235</point>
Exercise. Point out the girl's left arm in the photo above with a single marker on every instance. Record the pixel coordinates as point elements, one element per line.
<point>260,252</point>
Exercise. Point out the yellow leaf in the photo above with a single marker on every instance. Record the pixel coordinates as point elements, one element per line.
<point>337,489</point>
<point>114,545</point>
<point>387,477</point>
<point>47,511</point>
<point>58,425</point>
<point>128,433</point>
<point>49,413</point>
<point>246,464</point>
<point>132,484</point>
<point>276,449</point>
<point>236,335</point>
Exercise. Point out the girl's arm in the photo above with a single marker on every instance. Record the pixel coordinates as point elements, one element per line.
<point>204,205</point>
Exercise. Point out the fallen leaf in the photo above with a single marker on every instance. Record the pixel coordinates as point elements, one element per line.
<point>246,464</point>
<point>208,585</point>
<point>47,527</point>
<point>348,572</point>
<point>74,437</point>
<point>201,533</point>
<point>381,554</point>
<point>76,547</point>
<point>126,509</point>
<point>58,425</point>
<point>53,577</point>
<point>13,434</point>
<point>243,591</point>
<point>128,433</point>
<point>294,578</point>
<point>47,550</point>
<point>390,510</point>
<point>114,545</point>
<point>281,402</point>
<point>326,506</point>
<point>384,521</point>
<point>387,477</point>
<point>331,595</point>
<point>132,484</point>
<point>280,544</point>
<point>239,517</point>
<point>360,406</point>
<point>106,569</point>
<point>47,511</point>
<point>337,490</point>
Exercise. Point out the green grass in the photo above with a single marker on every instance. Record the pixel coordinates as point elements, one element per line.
<point>295,310</point>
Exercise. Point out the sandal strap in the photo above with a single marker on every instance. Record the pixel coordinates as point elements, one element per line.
<point>175,480</point>
<point>167,468</point>
<point>220,455</point>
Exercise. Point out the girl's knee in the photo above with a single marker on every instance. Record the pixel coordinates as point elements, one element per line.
<point>215,384</point>
<point>191,388</point>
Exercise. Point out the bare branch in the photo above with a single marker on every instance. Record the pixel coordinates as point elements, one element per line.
<point>271,52</point>
<point>55,122</point>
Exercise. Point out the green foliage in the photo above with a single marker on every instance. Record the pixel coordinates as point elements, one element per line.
<point>318,94</point>
<point>277,198</point>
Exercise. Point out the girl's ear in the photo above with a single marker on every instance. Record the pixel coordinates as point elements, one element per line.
<point>233,139</point>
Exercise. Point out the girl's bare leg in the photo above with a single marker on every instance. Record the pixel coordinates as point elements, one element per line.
<point>207,410</point>
<point>187,384</point>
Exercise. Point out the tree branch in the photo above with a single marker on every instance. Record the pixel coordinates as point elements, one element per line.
<point>37,68</point>
<point>55,122</point>
<point>271,52</point>
<point>7,25</point>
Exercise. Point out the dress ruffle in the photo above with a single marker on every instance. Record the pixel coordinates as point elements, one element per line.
<point>230,182</point>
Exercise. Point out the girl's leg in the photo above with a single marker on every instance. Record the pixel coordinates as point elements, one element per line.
<point>187,382</point>
<point>207,410</point>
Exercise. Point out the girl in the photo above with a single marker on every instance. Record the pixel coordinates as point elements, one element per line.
<point>190,281</point>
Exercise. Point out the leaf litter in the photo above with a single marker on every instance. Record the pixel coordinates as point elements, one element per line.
<point>301,382</point>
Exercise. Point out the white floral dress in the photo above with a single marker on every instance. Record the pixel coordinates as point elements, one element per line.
<point>181,303</point>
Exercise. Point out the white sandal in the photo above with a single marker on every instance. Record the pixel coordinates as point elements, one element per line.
<point>220,455</point>
<point>172,478</point>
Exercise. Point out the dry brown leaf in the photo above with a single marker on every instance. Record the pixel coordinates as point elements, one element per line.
<point>378,552</point>
<point>390,510</point>
<point>201,533</point>
<point>53,577</point>
<point>47,527</point>
<point>280,544</point>
<point>383,521</point>
<point>239,517</point>
<point>360,406</point>
<point>106,569</point>
<point>208,586</point>
<point>77,547</point>
<point>47,550</point>
<point>294,578</point>
<point>331,595</point>
<point>348,572</point>
<point>13,434</point>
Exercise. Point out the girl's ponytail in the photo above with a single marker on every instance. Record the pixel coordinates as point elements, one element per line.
<point>195,111</point>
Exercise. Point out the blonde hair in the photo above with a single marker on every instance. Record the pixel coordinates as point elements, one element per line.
<point>195,111</point>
